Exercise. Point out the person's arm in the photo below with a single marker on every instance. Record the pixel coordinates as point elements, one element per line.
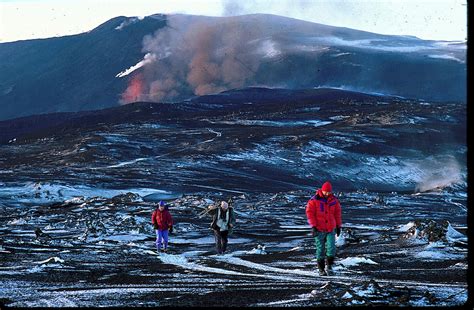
<point>231,217</point>
<point>153,220</point>
<point>211,210</point>
<point>170,223</point>
<point>337,215</point>
<point>311,214</point>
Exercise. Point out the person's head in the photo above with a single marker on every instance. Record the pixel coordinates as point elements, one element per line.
<point>326,189</point>
<point>162,205</point>
<point>224,205</point>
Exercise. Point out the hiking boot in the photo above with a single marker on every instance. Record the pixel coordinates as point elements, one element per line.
<point>165,250</point>
<point>321,265</point>
<point>329,263</point>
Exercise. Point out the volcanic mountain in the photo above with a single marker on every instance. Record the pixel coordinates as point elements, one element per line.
<point>171,58</point>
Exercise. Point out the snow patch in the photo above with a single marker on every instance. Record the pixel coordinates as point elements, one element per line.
<point>50,260</point>
<point>205,240</point>
<point>445,56</point>
<point>437,255</point>
<point>354,261</point>
<point>406,227</point>
<point>318,150</point>
<point>19,221</point>
<point>125,238</point>
<point>452,235</point>
<point>49,192</point>
<point>260,249</point>
<point>267,123</point>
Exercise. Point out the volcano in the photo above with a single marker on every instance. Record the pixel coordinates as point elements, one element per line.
<point>171,58</point>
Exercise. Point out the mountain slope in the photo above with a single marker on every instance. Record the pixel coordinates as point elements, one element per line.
<point>70,73</point>
<point>174,57</point>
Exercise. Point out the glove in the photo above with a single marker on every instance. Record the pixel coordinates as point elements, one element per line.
<point>155,226</point>
<point>338,231</point>
<point>170,229</point>
<point>314,231</point>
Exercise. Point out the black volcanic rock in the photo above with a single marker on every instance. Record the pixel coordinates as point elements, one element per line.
<point>270,140</point>
<point>266,99</point>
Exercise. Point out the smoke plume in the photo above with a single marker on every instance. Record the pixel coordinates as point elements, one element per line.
<point>195,56</point>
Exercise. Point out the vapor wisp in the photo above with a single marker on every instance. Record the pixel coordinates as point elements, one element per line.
<point>439,173</point>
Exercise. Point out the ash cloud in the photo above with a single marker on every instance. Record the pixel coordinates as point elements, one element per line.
<point>197,56</point>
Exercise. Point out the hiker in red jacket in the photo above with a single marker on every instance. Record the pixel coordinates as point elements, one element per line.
<point>324,215</point>
<point>162,221</point>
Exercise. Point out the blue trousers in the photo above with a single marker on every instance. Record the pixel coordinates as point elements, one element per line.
<point>161,235</point>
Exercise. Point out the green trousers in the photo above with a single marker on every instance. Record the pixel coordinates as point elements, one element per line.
<point>325,244</point>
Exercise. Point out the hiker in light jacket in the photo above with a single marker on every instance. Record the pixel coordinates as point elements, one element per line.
<point>324,215</point>
<point>223,221</point>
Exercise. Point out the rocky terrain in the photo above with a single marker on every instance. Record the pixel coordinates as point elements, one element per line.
<point>77,192</point>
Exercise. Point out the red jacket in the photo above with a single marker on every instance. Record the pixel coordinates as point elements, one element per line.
<point>322,213</point>
<point>162,219</point>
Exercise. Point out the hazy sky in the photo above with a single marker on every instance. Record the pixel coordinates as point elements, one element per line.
<point>435,19</point>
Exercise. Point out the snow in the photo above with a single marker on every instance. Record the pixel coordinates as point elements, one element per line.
<point>406,227</point>
<point>50,192</point>
<point>318,150</point>
<point>340,54</point>
<point>354,261</point>
<point>205,240</point>
<point>258,250</point>
<point>437,255</point>
<point>125,238</point>
<point>452,235</point>
<point>265,123</point>
<point>75,200</point>
<point>19,221</point>
<point>182,261</point>
<point>126,163</point>
<point>347,295</point>
<point>54,259</point>
<point>229,258</point>
<point>445,56</point>
<point>375,44</point>
<point>366,227</point>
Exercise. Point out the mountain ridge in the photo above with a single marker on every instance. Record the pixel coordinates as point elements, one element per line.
<point>80,72</point>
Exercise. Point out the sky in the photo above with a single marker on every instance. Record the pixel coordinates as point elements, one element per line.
<point>429,20</point>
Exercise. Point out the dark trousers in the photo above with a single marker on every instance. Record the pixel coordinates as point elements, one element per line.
<point>221,240</point>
